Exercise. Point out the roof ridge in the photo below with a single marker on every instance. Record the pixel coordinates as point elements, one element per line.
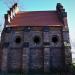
<point>36,11</point>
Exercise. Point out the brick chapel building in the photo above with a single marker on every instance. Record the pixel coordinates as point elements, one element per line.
<point>35,40</point>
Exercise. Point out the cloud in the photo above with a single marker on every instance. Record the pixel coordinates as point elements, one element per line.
<point>72,40</point>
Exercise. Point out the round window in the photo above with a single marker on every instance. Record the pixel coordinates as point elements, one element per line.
<point>18,40</point>
<point>55,39</point>
<point>36,39</point>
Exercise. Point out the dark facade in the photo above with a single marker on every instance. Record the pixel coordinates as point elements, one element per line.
<point>37,40</point>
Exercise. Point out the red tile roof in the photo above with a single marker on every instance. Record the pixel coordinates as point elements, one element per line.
<point>36,18</point>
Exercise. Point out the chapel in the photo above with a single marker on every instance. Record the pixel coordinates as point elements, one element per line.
<point>35,40</point>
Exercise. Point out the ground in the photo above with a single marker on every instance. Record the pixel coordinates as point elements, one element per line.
<point>71,71</point>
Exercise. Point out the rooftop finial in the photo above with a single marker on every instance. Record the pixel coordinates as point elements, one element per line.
<point>61,13</point>
<point>11,13</point>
